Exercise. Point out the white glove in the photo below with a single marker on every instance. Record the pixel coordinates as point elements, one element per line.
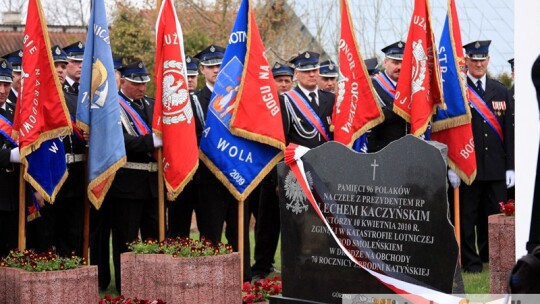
<point>15,156</point>
<point>158,143</point>
<point>454,179</point>
<point>510,178</point>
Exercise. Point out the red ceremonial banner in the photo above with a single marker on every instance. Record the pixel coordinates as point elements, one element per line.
<point>461,155</point>
<point>356,108</point>
<point>41,113</point>
<point>258,94</point>
<point>418,91</point>
<point>173,116</point>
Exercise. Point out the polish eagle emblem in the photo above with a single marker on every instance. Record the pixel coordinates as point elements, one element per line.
<point>176,109</point>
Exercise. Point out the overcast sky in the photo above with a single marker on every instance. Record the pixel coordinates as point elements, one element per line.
<point>479,20</point>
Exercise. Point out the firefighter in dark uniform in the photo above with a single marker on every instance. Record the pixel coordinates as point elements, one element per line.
<point>60,63</point>
<point>180,212</point>
<point>69,204</point>
<point>266,208</point>
<point>134,191</point>
<point>328,74</point>
<point>216,205</point>
<point>74,67</point>
<point>283,77</point>
<point>9,167</point>
<point>491,125</point>
<point>394,126</point>
<point>101,222</point>
<point>372,66</point>
<point>213,197</point>
<point>61,224</point>
<point>15,59</point>
<point>298,128</point>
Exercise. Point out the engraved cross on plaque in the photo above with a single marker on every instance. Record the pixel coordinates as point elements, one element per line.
<point>374,165</point>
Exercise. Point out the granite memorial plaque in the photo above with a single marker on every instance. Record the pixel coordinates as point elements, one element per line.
<point>388,209</point>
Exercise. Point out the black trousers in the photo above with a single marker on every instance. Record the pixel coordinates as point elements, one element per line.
<point>8,231</point>
<point>128,216</point>
<point>267,229</point>
<point>100,234</point>
<point>60,226</point>
<point>180,211</point>
<point>211,210</point>
<point>40,231</point>
<point>479,200</point>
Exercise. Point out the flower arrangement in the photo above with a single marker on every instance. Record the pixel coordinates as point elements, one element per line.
<point>508,208</point>
<point>180,247</point>
<point>260,290</point>
<point>108,299</point>
<point>29,260</point>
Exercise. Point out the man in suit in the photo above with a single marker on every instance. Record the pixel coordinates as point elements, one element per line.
<point>393,127</point>
<point>133,193</point>
<point>328,74</point>
<point>75,52</point>
<point>9,168</point>
<point>180,212</point>
<point>309,128</point>
<point>492,127</point>
<point>15,59</point>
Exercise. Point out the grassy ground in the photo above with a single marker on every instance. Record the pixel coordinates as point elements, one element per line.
<point>475,283</point>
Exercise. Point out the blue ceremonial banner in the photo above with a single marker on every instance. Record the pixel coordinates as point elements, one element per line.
<point>239,163</point>
<point>360,144</point>
<point>98,111</point>
<point>457,112</point>
<point>47,165</point>
<point>453,125</point>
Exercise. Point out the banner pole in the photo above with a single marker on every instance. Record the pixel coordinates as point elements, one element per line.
<point>86,212</point>
<point>161,200</point>
<point>457,223</point>
<point>22,213</point>
<point>241,238</point>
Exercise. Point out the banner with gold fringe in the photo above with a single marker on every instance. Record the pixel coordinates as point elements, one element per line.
<point>41,114</point>
<point>452,126</point>
<point>418,90</point>
<point>356,108</point>
<point>173,119</point>
<point>243,136</point>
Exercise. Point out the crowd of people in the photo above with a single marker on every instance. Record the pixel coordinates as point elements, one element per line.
<point>130,208</point>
